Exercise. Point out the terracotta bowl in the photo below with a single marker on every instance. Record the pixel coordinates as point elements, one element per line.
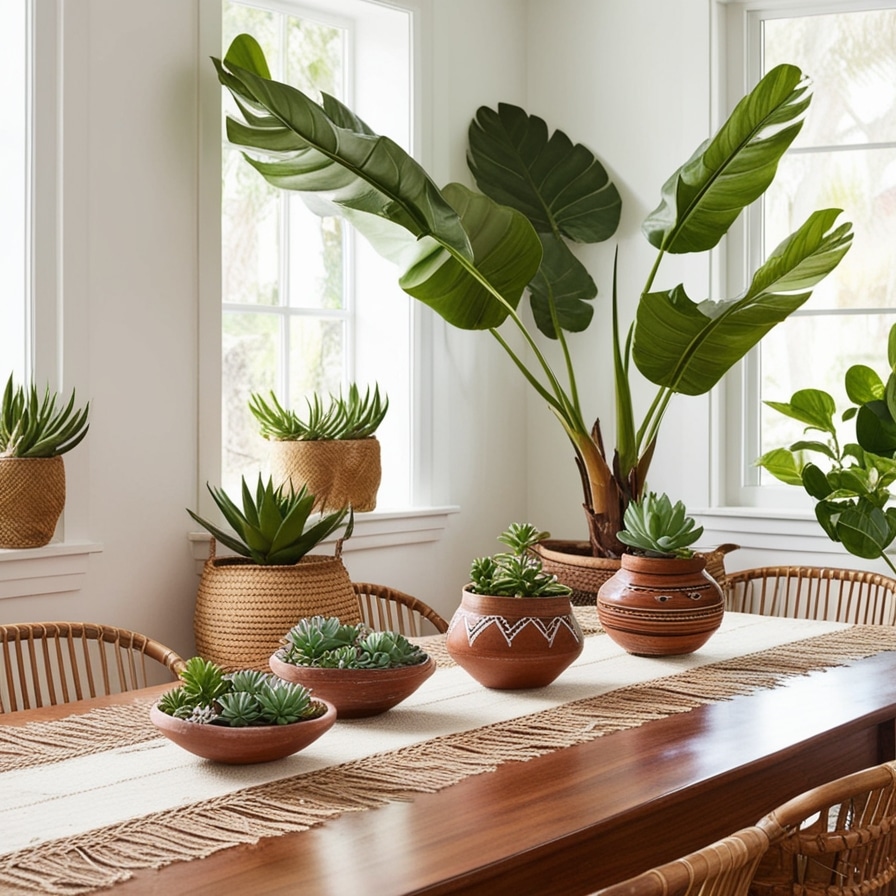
<point>357,693</point>
<point>241,746</point>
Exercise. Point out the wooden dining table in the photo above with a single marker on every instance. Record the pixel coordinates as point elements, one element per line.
<point>573,819</point>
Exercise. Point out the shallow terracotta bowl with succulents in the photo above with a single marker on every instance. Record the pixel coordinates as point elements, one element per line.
<point>241,746</point>
<point>239,717</point>
<point>360,671</point>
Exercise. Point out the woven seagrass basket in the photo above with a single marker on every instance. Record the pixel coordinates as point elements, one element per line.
<point>339,472</point>
<point>32,495</point>
<point>243,609</point>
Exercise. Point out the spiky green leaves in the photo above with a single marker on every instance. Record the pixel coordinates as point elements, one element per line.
<point>210,696</point>
<point>352,416</point>
<point>517,573</point>
<point>31,426</point>
<point>327,643</point>
<point>273,526</point>
<point>658,528</point>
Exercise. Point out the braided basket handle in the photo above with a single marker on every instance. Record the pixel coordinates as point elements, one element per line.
<point>211,548</point>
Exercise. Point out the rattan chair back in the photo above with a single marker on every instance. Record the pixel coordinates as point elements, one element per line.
<point>386,609</point>
<point>724,868</point>
<point>813,592</point>
<point>834,839</point>
<point>45,663</point>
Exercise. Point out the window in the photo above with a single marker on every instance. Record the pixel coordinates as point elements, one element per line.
<point>307,307</point>
<point>844,157</point>
<point>15,130</point>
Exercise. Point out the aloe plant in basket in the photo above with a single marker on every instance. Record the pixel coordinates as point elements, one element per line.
<point>35,431</point>
<point>244,603</point>
<point>362,672</point>
<point>470,256</point>
<point>331,448</point>
<point>514,627</point>
<point>239,717</point>
<point>661,601</point>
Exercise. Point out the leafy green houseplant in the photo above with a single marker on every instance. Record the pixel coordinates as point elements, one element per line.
<point>331,449</point>
<point>244,603</point>
<point>470,256</point>
<point>852,493</point>
<point>239,717</point>
<point>360,671</point>
<point>35,431</point>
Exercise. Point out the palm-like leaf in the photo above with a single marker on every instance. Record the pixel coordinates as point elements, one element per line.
<point>453,250</point>
<point>688,347</point>
<point>704,197</point>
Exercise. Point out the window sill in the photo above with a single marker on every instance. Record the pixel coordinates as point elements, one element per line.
<point>56,568</point>
<point>766,529</point>
<point>378,529</point>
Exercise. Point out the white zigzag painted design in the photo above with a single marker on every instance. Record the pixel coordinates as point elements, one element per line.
<point>476,625</point>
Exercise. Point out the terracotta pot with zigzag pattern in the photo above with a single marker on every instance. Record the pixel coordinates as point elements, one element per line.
<point>514,642</point>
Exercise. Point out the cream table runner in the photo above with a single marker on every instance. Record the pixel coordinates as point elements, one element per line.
<point>85,799</point>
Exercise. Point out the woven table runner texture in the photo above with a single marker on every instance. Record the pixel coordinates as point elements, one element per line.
<point>71,823</point>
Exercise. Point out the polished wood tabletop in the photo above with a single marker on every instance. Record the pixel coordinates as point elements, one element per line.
<point>578,818</point>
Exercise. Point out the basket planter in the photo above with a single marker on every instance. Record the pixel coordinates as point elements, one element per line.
<point>357,693</point>
<point>573,564</point>
<point>32,496</point>
<point>241,746</point>
<point>244,609</point>
<point>512,643</point>
<point>340,472</point>
<point>660,606</point>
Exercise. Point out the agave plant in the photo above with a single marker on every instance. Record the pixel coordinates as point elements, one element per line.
<point>854,489</point>
<point>209,696</point>
<point>515,573</point>
<point>273,526</point>
<point>327,643</point>
<point>470,258</point>
<point>658,528</point>
<point>31,426</point>
<point>352,416</point>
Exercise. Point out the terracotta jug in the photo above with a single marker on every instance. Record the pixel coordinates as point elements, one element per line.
<point>659,606</point>
<point>514,642</point>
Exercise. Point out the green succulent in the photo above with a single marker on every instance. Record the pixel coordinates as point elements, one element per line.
<point>327,643</point>
<point>517,573</point>
<point>209,696</point>
<point>273,527</point>
<point>31,426</point>
<point>658,528</point>
<point>345,417</point>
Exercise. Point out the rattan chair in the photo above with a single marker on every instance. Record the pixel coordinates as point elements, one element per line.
<point>724,868</point>
<point>45,663</point>
<point>387,609</point>
<point>813,592</point>
<point>835,839</point>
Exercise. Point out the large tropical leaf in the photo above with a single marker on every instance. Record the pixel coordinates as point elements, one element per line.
<point>558,186</point>
<point>563,190</point>
<point>456,253</point>
<point>704,197</point>
<point>688,347</point>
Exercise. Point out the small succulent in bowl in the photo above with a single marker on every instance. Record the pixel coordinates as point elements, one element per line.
<point>209,696</point>
<point>655,527</point>
<point>518,572</point>
<point>327,643</point>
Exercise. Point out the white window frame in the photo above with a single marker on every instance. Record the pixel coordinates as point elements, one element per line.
<point>427,516</point>
<point>783,521</point>
<point>58,319</point>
